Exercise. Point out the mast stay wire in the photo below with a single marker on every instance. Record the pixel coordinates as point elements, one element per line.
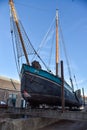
<point>50,57</point>
<point>76,82</point>
<point>43,42</point>
<point>17,66</point>
<point>33,47</point>
<point>45,38</point>
<point>15,54</point>
<point>67,61</point>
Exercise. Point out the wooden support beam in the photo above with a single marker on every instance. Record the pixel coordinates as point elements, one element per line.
<point>62,89</point>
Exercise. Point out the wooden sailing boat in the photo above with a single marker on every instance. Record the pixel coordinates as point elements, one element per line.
<point>37,85</point>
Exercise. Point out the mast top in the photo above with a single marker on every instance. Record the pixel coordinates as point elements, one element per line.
<point>11,1</point>
<point>56,14</point>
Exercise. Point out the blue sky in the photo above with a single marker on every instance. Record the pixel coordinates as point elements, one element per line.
<point>36,17</point>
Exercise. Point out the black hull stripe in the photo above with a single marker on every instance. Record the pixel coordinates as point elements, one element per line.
<point>43,78</point>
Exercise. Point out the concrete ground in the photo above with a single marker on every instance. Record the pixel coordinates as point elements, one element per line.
<point>41,124</point>
<point>66,125</point>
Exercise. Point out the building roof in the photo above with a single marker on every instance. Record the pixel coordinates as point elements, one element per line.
<point>9,83</point>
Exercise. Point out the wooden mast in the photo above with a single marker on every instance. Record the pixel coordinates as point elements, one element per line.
<point>18,28</point>
<point>57,56</point>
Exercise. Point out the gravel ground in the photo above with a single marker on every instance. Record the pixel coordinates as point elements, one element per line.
<point>67,125</point>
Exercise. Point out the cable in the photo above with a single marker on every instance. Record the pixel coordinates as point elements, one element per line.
<point>66,57</point>
<point>14,46</point>
<point>43,42</point>
<point>46,36</point>
<point>15,55</point>
<point>76,82</point>
<point>33,48</point>
<point>50,57</point>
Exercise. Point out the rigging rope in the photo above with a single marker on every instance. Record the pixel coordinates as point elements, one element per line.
<point>45,38</point>
<point>28,44</point>
<point>51,53</point>
<point>76,82</point>
<point>15,54</point>
<point>35,52</point>
<point>11,24</point>
<point>66,57</point>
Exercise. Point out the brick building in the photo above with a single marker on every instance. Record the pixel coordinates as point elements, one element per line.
<point>10,91</point>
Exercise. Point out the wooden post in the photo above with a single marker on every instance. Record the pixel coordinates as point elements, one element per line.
<point>62,88</point>
<point>83,97</point>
